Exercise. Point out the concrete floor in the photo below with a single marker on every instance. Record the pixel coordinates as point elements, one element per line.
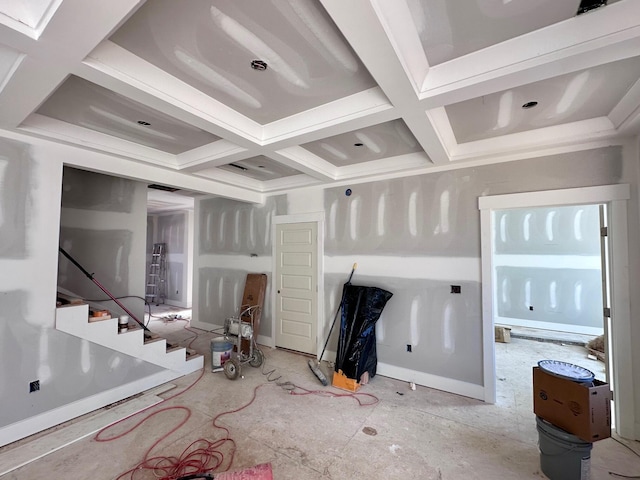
<point>421,434</point>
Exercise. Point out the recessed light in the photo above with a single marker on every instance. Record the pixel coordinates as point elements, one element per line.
<point>358,144</point>
<point>261,166</point>
<point>143,123</point>
<point>259,65</point>
<point>529,104</point>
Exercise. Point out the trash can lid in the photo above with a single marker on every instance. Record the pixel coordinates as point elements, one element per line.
<point>567,370</point>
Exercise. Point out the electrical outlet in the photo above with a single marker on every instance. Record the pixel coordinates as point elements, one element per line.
<point>531,307</point>
<point>34,386</point>
<point>409,347</point>
<point>455,289</point>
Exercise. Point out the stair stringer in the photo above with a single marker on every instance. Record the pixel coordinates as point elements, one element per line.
<point>74,320</point>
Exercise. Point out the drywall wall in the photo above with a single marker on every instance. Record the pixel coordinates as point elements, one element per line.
<point>105,234</point>
<point>14,189</point>
<point>175,230</point>
<point>73,374</point>
<point>631,175</point>
<point>418,236</point>
<point>548,268</point>
<point>232,239</point>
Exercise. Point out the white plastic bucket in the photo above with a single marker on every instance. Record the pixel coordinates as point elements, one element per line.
<point>563,456</point>
<point>221,349</point>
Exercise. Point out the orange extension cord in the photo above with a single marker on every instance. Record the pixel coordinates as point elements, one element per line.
<point>202,455</point>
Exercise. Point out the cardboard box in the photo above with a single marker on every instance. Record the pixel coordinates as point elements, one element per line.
<point>502,334</point>
<point>579,409</point>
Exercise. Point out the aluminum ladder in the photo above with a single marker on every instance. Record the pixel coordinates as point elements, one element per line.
<point>156,290</point>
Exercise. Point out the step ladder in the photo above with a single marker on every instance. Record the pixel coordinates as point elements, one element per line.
<point>156,290</point>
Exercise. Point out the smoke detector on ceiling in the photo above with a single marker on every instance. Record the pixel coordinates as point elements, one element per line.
<point>587,5</point>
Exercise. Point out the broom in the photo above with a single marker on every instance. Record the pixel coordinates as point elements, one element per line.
<point>315,366</point>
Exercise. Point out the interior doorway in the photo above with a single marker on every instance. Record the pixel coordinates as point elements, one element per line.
<point>298,280</point>
<point>615,198</point>
<point>169,248</point>
<point>550,274</point>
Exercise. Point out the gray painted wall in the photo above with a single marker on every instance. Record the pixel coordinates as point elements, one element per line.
<point>232,239</point>
<point>106,235</point>
<point>69,369</point>
<point>548,267</point>
<point>15,176</point>
<point>421,235</point>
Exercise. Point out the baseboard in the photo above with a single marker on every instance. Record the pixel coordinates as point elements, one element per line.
<point>24,428</point>
<point>432,381</point>
<point>561,327</point>
<point>425,379</point>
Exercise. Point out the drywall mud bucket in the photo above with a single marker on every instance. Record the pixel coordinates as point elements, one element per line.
<point>562,456</point>
<point>221,349</point>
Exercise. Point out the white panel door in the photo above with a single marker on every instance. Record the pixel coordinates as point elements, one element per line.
<point>296,286</point>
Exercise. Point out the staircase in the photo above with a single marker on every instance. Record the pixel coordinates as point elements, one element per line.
<point>74,320</point>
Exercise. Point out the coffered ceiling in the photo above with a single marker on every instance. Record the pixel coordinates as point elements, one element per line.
<point>269,96</point>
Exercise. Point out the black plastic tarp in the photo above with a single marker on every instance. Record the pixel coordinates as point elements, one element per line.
<point>361,309</point>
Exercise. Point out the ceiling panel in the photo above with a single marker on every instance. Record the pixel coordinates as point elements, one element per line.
<point>260,168</point>
<point>29,13</point>
<point>91,106</point>
<point>210,45</point>
<point>372,143</point>
<point>8,59</point>
<point>568,98</point>
<point>453,28</point>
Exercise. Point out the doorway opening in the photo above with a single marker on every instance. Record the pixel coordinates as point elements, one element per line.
<point>548,293</point>
<point>498,277</point>
<point>169,252</point>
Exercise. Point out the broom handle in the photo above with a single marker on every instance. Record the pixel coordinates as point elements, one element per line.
<point>353,269</point>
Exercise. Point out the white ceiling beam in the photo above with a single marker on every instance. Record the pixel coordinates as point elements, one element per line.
<point>16,39</point>
<point>360,24</point>
<point>399,163</point>
<point>288,183</point>
<point>230,178</point>
<point>305,161</point>
<point>575,133</point>
<point>31,83</point>
<point>397,21</point>
<point>631,125</point>
<point>214,154</point>
<point>622,114</point>
<point>606,35</point>
<point>51,128</point>
<point>119,70</point>
<point>74,30</point>
<point>44,149</point>
<point>359,110</point>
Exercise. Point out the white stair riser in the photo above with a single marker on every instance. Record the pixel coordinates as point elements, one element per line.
<point>73,319</point>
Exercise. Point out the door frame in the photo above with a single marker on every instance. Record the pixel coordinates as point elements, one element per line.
<point>615,197</point>
<point>318,218</point>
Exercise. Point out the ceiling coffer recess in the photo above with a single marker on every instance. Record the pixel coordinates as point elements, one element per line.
<point>586,5</point>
